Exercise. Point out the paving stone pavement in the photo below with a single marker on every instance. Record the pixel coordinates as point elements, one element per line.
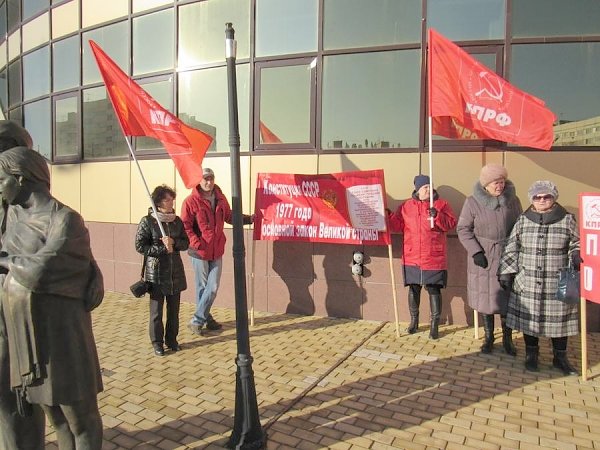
<point>337,383</point>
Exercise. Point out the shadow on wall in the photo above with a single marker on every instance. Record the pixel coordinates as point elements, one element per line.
<point>292,261</point>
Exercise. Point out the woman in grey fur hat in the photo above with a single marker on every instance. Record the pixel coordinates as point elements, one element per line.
<point>542,241</point>
<point>485,221</point>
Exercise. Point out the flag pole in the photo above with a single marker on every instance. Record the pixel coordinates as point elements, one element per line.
<point>162,230</point>
<point>394,293</point>
<point>583,321</point>
<point>431,219</point>
<point>429,125</point>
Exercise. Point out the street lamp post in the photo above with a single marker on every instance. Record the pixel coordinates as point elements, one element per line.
<point>247,431</point>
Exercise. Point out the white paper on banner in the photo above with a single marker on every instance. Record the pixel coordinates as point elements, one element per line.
<point>365,207</point>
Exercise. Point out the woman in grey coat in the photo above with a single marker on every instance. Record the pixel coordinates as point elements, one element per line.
<point>542,241</point>
<point>483,226</point>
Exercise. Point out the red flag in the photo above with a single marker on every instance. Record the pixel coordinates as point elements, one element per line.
<point>467,100</point>
<point>267,136</point>
<point>140,115</point>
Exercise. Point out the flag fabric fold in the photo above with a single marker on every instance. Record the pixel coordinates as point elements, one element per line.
<point>267,136</point>
<point>140,115</point>
<point>468,100</point>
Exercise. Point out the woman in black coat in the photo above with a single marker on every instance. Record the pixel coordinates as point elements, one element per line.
<point>164,267</point>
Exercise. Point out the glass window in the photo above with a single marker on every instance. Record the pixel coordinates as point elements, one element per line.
<point>464,20</point>
<point>200,88</point>
<point>37,122</point>
<point>102,135</point>
<point>32,7</point>
<point>356,23</point>
<point>14,45</point>
<point>36,32</point>
<point>371,100</point>
<point>3,29</point>
<point>141,5</point>
<point>65,19</point>
<point>146,42</point>
<point>3,59</point>
<point>14,83</point>
<point>286,26</point>
<point>572,95</point>
<point>286,96</point>
<point>94,12</point>
<point>36,73</point>
<point>162,92</point>
<point>65,67</point>
<point>3,91</point>
<point>16,115</point>
<point>113,40</point>
<point>555,18</point>
<point>202,31</point>
<point>14,13</point>
<point>66,126</point>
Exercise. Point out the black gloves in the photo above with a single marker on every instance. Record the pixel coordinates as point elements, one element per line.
<point>480,260</point>
<point>506,282</point>
<point>576,260</point>
<point>432,212</point>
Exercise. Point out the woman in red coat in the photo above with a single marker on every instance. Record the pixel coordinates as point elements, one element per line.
<point>424,249</point>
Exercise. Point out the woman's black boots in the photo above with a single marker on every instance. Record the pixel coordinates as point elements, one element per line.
<point>488,328</point>
<point>414,300</point>
<point>507,341</point>
<point>560,361</point>
<point>435,302</point>
<point>532,353</point>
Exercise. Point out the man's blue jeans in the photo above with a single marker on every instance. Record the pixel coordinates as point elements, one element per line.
<point>208,277</point>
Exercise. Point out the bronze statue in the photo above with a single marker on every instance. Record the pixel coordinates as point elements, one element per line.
<point>52,283</point>
<point>17,432</point>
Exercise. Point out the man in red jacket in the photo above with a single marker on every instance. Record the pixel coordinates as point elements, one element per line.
<point>424,249</point>
<point>204,213</point>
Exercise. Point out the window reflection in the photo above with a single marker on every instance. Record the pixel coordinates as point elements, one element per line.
<point>203,104</point>
<point>146,41</point>
<point>36,73</point>
<point>3,92</point>
<point>202,31</point>
<point>37,123</point>
<point>371,100</point>
<point>286,26</point>
<point>357,23</point>
<point>32,7</point>
<point>66,126</point>
<point>113,40</point>
<point>14,83</point>
<point>555,18</point>
<point>285,103</point>
<point>140,5</point>
<point>66,64</point>
<point>572,95</point>
<point>463,20</point>
<point>102,135</point>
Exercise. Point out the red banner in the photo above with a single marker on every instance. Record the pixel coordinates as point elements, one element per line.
<point>341,208</point>
<point>467,100</point>
<point>589,231</point>
<point>140,115</point>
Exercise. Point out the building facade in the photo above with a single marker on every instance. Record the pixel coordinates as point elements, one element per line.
<point>323,86</point>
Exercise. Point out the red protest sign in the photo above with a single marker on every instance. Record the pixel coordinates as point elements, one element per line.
<point>589,231</point>
<point>341,208</point>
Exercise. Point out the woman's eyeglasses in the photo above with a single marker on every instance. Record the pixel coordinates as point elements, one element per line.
<point>539,198</point>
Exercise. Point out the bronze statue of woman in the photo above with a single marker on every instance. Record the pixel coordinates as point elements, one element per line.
<point>52,283</point>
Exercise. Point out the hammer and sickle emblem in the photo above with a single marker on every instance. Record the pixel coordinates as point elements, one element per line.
<point>492,88</point>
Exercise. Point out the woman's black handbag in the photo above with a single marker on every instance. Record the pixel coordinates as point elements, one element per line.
<point>568,290</point>
<point>141,287</point>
